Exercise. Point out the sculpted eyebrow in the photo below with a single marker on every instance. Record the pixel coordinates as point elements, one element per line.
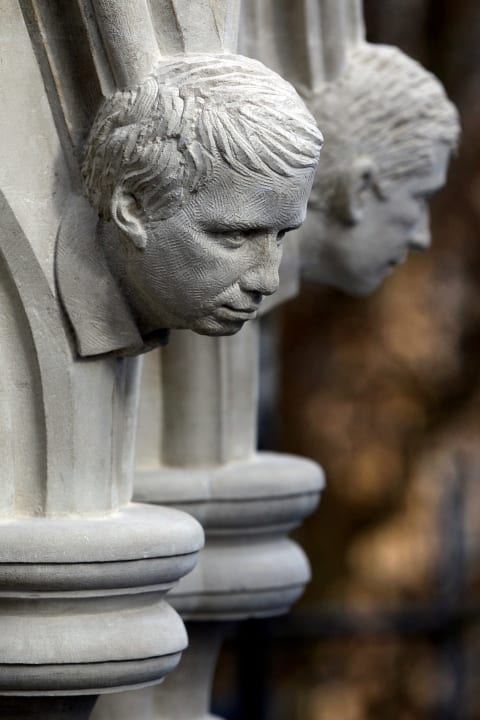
<point>222,227</point>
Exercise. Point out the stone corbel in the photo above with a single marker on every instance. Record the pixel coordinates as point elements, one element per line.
<point>197,450</point>
<point>83,571</point>
<point>389,130</point>
<point>81,568</point>
<point>165,161</point>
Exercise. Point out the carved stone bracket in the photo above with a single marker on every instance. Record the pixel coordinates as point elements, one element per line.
<point>83,571</point>
<point>390,132</point>
<point>176,147</point>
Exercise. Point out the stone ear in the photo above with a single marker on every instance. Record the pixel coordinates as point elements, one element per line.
<point>127,217</point>
<point>356,184</point>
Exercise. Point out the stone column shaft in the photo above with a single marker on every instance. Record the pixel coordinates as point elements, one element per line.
<point>246,501</point>
<point>197,451</point>
<point>83,571</point>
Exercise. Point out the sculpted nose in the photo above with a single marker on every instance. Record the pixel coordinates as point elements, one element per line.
<point>420,242</point>
<point>262,276</point>
<point>420,238</point>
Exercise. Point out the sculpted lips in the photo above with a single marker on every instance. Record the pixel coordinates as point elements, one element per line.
<point>232,312</point>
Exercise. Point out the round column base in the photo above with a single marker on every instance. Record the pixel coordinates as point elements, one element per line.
<point>87,647</point>
<point>82,608</point>
<point>185,695</point>
<point>241,578</point>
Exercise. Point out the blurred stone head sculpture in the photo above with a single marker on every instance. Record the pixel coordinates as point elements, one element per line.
<point>389,133</point>
<point>197,174</point>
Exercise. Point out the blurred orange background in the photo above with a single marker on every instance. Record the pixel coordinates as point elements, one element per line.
<point>384,392</point>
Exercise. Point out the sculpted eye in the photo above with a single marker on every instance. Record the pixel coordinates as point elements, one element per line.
<point>235,240</point>
<point>228,238</point>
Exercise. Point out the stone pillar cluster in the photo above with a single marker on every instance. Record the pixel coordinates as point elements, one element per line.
<point>246,501</point>
<point>148,177</point>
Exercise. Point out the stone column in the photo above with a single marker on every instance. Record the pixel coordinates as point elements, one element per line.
<point>186,694</point>
<point>83,571</point>
<point>306,41</point>
<point>173,156</point>
<point>197,452</point>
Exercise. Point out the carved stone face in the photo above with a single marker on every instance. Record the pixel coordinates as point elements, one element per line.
<point>357,256</point>
<point>208,267</point>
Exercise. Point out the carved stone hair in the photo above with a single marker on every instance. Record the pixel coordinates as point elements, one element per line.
<point>385,107</point>
<point>159,140</point>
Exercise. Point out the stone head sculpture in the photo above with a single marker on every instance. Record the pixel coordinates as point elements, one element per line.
<point>196,174</point>
<point>389,133</point>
